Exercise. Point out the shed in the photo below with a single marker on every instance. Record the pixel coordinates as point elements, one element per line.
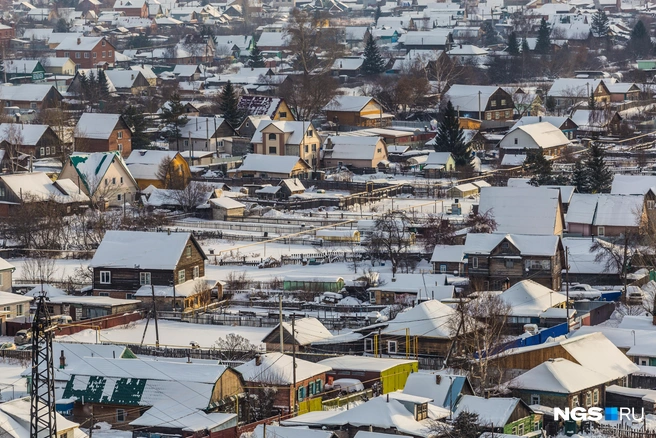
<point>225,207</point>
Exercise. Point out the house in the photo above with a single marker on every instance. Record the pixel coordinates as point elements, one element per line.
<point>6,276</point>
<point>127,260</point>
<point>313,283</point>
<point>187,73</point>
<point>528,301</point>
<point>636,398</point>
<point>560,383</point>
<point>205,134</point>
<point>592,351</point>
<point>440,386</point>
<point>564,123</point>
<point>486,103</point>
<point>306,331</point>
<point>497,260</point>
<point>597,121</point>
<point>271,166</point>
<point>435,39</point>
<point>87,52</point>
<point>21,188</point>
<point>448,259</point>
<point>263,431</point>
<point>132,8</point>
<point>103,176</point>
<point>81,308</point>
<point>224,207</point>
<point>12,305</point>
<point>195,293</point>
<point>604,214</point>
<point>541,136</point>
<point>568,91</point>
<point>16,420</point>
<point>356,152</point>
<point>632,184</point>
<point>623,91</point>
<point>24,70</point>
<point>407,289</point>
<point>30,96</point>
<point>302,388</point>
<point>188,396</point>
<point>391,373</point>
<point>439,164</point>
<point>467,190</point>
<point>299,139</point>
<point>507,415</point>
<point>38,141</point>
<point>524,210</point>
<point>97,132</point>
<point>7,33</point>
<point>286,188</point>
<point>127,81</point>
<point>144,165</point>
<point>360,111</point>
<point>347,67</point>
<point>59,66</point>
<point>275,108</point>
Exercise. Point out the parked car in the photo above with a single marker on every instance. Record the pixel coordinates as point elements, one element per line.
<point>8,346</point>
<point>634,295</point>
<point>345,385</point>
<point>582,291</point>
<point>23,337</point>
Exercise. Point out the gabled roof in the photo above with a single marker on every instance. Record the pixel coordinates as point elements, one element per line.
<point>430,319</point>
<point>559,376</point>
<point>528,298</point>
<point>25,92</point>
<point>544,134</point>
<point>466,97</point>
<point>605,209</point>
<point>348,103</point>
<point>351,148</point>
<point>445,393</point>
<point>491,411</point>
<point>29,134</point>
<point>557,121</point>
<point>10,298</point>
<point>632,184</point>
<point>527,244</point>
<point>575,87</point>
<point>143,249</point>
<point>307,330</point>
<point>293,128</point>
<point>86,43</point>
<point>519,210</point>
<point>96,125</point>
<point>200,128</point>
<point>39,187</point>
<point>269,163</point>
<point>25,66</point>
<point>122,78</point>
<point>259,105</point>
<point>277,368</point>
<point>438,158</point>
<point>187,289</point>
<point>92,167</point>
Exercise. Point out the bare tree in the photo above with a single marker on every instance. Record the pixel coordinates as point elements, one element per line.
<point>170,176</point>
<point>39,268</point>
<point>13,142</point>
<point>308,94</point>
<point>482,222</point>
<point>392,238</point>
<point>438,231</point>
<point>235,347</point>
<point>191,196</point>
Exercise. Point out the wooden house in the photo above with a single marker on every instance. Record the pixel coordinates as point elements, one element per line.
<point>30,96</point>
<point>355,152</point>
<point>360,111</point>
<point>97,132</point>
<point>623,91</point>
<point>495,261</point>
<point>38,141</point>
<point>391,373</point>
<point>80,308</point>
<point>206,134</point>
<point>286,188</point>
<point>448,259</point>
<point>306,331</point>
<point>271,166</point>
<point>604,214</point>
<point>144,165</point>
<point>127,260</point>
<point>410,289</point>
<point>224,207</point>
<point>485,103</point>
<point>275,369</point>
<point>439,164</point>
<point>516,417</point>
<point>24,70</point>
<point>569,91</point>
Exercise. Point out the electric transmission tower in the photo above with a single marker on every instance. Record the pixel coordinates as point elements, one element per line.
<point>42,410</point>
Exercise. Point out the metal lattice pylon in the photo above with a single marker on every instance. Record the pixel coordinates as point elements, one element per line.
<point>42,387</point>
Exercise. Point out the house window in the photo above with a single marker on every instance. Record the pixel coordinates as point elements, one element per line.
<point>95,55</point>
<point>318,386</point>
<point>575,401</point>
<point>120,147</point>
<point>129,296</point>
<point>493,103</point>
<point>186,143</point>
<point>188,251</point>
<point>650,204</point>
<point>601,231</point>
<point>509,263</point>
<point>379,150</point>
<point>283,114</point>
<point>64,435</point>
<point>272,150</point>
<point>42,151</point>
<point>104,54</point>
<point>109,53</point>
<point>144,278</point>
<point>514,430</point>
<point>595,396</point>
<point>272,136</point>
<point>120,415</point>
<point>588,399</point>
<point>392,347</point>
<point>309,133</point>
<point>311,388</point>
<point>503,102</point>
<point>181,276</point>
<point>6,309</point>
<point>301,393</point>
<point>536,426</point>
<point>19,310</point>
<point>307,149</point>
<point>535,399</point>
<point>544,265</point>
<point>77,55</point>
<point>474,262</point>
<point>488,116</point>
<point>368,345</point>
<point>119,135</point>
<point>103,43</point>
<point>196,271</point>
<point>520,429</point>
<point>33,105</point>
<point>86,55</point>
<point>118,197</point>
<point>105,277</point>
<point>103,294</point>
<point>67,54</point>
<point>497,115</point>
<point>505,245</point>
<point>314,148</point>
<point>516,141</point>
<point>121,180</point>
<point>47,150</point>
<point>114,181</point>
<point>442,269</point>
<point>507,113</point>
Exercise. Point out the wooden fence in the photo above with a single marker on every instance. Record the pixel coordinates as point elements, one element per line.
<point>623,431</point>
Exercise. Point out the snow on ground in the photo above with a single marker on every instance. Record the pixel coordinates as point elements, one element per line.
<point>63,268</point>
<point>104,430</point>
<point>171,334</point>
<point>12,385</point>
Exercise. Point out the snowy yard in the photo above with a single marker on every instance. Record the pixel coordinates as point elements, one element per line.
<point>12,385</point>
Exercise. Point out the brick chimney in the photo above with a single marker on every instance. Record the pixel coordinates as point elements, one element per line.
<point>62,360</point>
<point>79,41</point>
<point>258,360</point>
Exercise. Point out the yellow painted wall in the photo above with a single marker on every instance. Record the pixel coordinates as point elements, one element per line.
<point>394,378</point>
<point>371,108</point>
<point>284,108</point>
<point>310,405</point>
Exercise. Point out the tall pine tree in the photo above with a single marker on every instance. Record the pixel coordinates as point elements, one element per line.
<point>580,177</point>
<point>598,176</point>
<point>256,60</point>
<point>526,50</point>
<point>513,44</point>
<point>377,14</point>
<point>229,105</point>
<point>537,165</point>
<point>134,117</point>
<point>640,42</point>
<point>103,85</point>
<point>599,26</point>
<point>373,63</point>
<point>543,43</point>
<point>450,137</point>
<point>173,115</point>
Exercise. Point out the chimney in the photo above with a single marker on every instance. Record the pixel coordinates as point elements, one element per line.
<point>132,77</point>
<point>438,379</point>
<point>62,361</point>
<point>540,118</point>
<point>79,41</point>
<point>258,360</point>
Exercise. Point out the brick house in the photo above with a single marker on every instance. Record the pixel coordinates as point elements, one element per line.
<point>87,52</point>
<point>30,96</point>
<point>132,8</point>
<point>96,132</point>
<point>127,260</point>
<point>7,33</point>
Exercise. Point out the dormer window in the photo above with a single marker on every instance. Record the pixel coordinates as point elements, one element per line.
<point>421,411</point>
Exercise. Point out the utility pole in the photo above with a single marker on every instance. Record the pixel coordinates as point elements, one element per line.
<point>282,348</point>
<point>43,423</point>
<point>294,362</point>
<point>152,288</point>
<point>567,286</point>
<point>479,105</point>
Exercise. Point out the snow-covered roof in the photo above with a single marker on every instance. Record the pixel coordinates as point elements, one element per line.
<point>351,148</point>
<point>574,87</point>
<point>513,160</point>
<point>25,92</point>
<point>273,39</point>
<point>435,37</point>
<point>40,187</point>
<point>558,375</point>
<point>557,121</point>
<point>122,78</point>
<point>306,330</point>
<point>80,43</point>
<point>491,411</point>
<point>466,97</point>
<point>648,395</point>
<point>348,103</point>
<point>364,363</point>
<point>293,128</point>
<point>278,368</point>
<point>430,319</point>
<point>529,245</point>
<point>8,298</point>
<point>632,184</point>
<point>15,420</point>
<point>519,210</point>
<point>226,203</point>
<point>96,125</point>
<point>92,167</point>
<point>49,290</point>
<point>544,135</point>
<point>438,158</point>
<point>175,415</point>
<point>151,157</point>
<point>347,64</point>
<point>269,163</point>
<point>448,253</point>
<point>201,128</point>
<point>186,289</point>
<point>604,209</point>
<point>29,134</point>
<point>528,298</point>
<point>582,260</point>
<point>443,390</point>
<point>289,432</point>
<point>140,250</point>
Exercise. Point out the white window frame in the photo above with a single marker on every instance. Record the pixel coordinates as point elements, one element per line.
<point>392,347</point>
<point>601,231</point>
<point>105,277</point>
<point>575,401</point>
<point>475,262</point>
<point>181,276</point>
<point>196,273</point>
<point>121,415</point>
<point>368,345</point>
<point>595,396</point>
<point>520,429</point>
<point>145,278</point>
<point>588,399</point>
<point>535,399</point>
<point>650,204</point>
<point>119,135</point>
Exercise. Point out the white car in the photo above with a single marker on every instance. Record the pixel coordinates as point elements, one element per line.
<point>584,292</point>
<point>345,385</point>
<point>634,295</point>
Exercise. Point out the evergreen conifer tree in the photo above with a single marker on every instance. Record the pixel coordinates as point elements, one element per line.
<point>173,115</point>
<point>373,63</point>
<point>580,177</point>
<point>255,60</point>
<point>135,119</point>
<point>640,42</point>
<point>543,43</point>
<point>598,176</point>
<point>526,50</point>
<point>539,167</point>
<point>513,44</point>
<point>228,105</point>
<point>599,26</point>
<point>377,14</point>
<point>103,85</point>
<point>450,137</point>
